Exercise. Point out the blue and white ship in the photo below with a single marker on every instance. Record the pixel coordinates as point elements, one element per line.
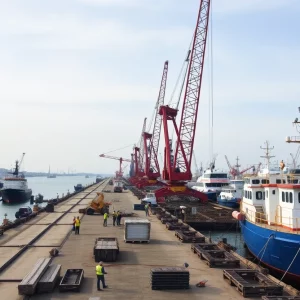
<point>211,183</point>
<point>232,195</point>
<point>270,219</point>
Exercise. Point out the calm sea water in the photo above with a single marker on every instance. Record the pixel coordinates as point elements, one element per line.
<point>235,239</point>
<point>49,188</point>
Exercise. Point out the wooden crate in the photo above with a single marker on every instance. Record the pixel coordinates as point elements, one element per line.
<point>203,246</point>
<point>177,226</point>
<point>106,249</point>
<point>30,281</point>
<point>218,258</point>
<point>168,219</point>
<point>49,280</point>
<point>72,280</point>
<point>251,283</point>
<point>190,236</point>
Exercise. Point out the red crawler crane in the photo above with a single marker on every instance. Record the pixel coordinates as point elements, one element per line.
<point>151,141</point>
<point>139,153</point>
<point>177,169</point>
<point>235,171</point>
<point>119,173</point>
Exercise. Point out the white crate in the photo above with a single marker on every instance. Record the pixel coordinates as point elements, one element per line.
<point>137,230</point>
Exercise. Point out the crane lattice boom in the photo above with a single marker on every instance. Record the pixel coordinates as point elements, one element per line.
<point>180,169</point>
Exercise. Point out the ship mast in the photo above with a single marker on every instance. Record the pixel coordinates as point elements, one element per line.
<point>267,156</point>
<point>295,139</point>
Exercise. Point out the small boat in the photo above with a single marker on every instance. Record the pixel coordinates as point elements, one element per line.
<point>87,176</point>
<point>231,196</point>
<point>78,187</point>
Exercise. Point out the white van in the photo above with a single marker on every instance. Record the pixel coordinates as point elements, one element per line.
<point>150,198</point>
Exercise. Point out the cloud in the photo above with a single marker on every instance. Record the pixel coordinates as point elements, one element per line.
<point>250,6</point>
<point>118,3</point>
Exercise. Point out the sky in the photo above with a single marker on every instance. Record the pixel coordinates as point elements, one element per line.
<point>78,77</point>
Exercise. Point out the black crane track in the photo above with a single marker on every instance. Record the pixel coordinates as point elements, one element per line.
<point>30,244</point>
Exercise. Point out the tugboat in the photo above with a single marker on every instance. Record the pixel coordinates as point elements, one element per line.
<point>15,188</point>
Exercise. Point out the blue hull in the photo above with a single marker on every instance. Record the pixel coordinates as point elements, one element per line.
<point>275,249</point>
<point>233,203</point>
<point>212,196</point>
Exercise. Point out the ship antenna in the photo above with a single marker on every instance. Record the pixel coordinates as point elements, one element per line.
<point>267,155</point>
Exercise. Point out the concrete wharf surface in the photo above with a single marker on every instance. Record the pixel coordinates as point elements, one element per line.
<point>129,276</point>
<point>14,239</point>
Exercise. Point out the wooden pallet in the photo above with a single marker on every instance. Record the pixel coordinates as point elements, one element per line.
<point>190,236</point>
<point>168,219</point>
<point>49,280</point>
<point>196,248</point>
<point>218,258</point>
<point>251,283</point>
<point>139,242</point>
<point>177,226</point>
<point>30,281</point>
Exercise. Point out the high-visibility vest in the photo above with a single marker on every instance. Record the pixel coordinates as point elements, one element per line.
<point>105,216</point>
<point>77,223</point>
<point>99,270</point>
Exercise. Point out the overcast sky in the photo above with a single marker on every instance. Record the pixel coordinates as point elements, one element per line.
<point>77,77</point>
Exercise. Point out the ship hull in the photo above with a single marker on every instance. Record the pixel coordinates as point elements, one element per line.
<point>78,189</point>
<point>12,196</point>
<point>274,249</point>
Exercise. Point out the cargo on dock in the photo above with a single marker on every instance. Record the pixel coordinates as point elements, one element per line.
<point>251,283</point>
<point>72,280</point>
<point>170,278</point>
<point>203,216</point>
<point>218,258</point>
<point>49,279</point>
<point>106,249</point>
<point>137,230</point>
<point>29,283</point>
<point>177,226</point>
<point>190,236</point>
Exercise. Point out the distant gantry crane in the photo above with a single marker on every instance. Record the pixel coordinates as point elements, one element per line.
<point>119,173</point>
<point>235,170</point>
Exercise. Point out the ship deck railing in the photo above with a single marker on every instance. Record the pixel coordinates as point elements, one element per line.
<point>283,224</point>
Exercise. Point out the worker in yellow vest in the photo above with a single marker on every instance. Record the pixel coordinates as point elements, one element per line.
<point>77,225</point>
<point>114,218</point>
<point>105,217</point>
<point>100,275</point>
